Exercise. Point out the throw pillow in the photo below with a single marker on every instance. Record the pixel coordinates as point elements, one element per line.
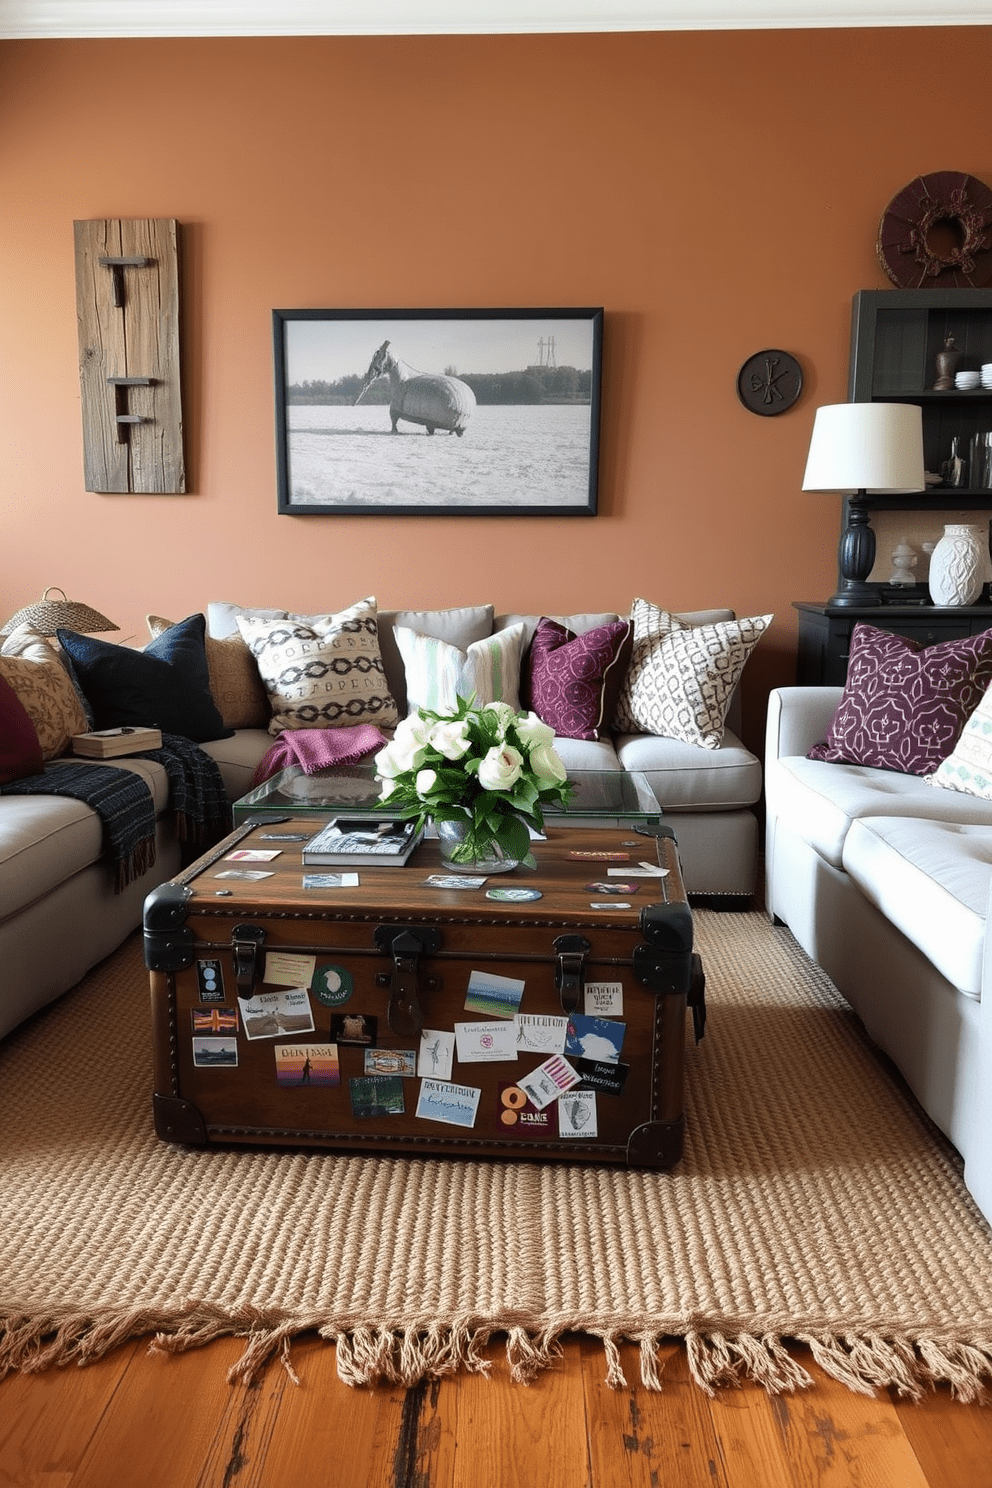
<point>904,705</point>
<point>437,674</point>
<point>682,677</point>
<point>235,684</point>
<point>968,768</point>
<point>165,686</point>
<point>574,681</point>
<point>20,750</point>
<point>45,691</point>
<point>326,673</point>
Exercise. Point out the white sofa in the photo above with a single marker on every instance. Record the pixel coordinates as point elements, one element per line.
<point>59,914</point>
<point>885,881</point>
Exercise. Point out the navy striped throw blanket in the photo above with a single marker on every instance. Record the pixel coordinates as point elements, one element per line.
<point>124,803</point>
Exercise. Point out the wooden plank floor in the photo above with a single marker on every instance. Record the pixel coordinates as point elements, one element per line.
<point>139,1421</point>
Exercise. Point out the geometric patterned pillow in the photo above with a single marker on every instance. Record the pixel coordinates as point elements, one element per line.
<point>235,685</point>
<point>325,673</point>
<point>904,705</point>
<point>969,768</point>
<point>44,689</point>
<point>438,674</point>
<point>682,677</point>
<point>575,680</point>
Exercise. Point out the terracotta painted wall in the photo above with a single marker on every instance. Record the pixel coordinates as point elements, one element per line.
<point>717,192</point>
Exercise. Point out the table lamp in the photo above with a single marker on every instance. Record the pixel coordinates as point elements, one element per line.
<point>857,449</point>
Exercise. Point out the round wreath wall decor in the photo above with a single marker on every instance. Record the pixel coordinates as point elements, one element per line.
<point>936,233</point>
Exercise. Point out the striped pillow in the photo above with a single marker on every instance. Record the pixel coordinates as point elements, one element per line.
<point>438,674</point>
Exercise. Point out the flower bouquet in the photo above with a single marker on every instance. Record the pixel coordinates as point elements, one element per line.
<point>488,771</point>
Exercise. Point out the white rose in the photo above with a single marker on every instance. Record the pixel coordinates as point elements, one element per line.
<point>425,782</point>
<point>404,753</point>
<point>547,765</point>
<point>451,739</point>
<point>533,732</point>
<point>412,728</point>
<point>501,767</point>
<point>503,712</point>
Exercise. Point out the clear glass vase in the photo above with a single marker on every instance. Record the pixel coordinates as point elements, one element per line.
<point>453,835</point>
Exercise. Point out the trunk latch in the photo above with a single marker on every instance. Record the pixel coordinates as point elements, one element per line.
<point>406,947</point>
<point>246,949</point>
<point>571,951</point>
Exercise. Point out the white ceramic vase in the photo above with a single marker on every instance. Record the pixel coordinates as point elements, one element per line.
<point>956,566</point>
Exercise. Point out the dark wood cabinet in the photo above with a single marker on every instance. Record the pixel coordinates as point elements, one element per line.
<point>895,338</point>
<point>825,633</point>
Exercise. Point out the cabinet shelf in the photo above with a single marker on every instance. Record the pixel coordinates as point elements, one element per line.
<point>928,396</point>
<point>895,338</point>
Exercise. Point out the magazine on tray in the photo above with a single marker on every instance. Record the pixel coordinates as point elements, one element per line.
<point>362,840</point>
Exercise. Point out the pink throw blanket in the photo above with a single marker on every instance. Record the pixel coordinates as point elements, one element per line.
<point>318,749</point>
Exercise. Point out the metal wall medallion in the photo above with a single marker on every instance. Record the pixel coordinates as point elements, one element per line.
<point>937,233</point>
<point>769,382</point>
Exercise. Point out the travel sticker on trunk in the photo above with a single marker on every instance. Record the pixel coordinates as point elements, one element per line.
<point>307,1064</point>
<point>456,1105</point>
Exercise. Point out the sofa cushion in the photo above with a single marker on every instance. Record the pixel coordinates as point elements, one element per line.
<point>438,674</point>
<point>820,801</point>
<point>166,686</point>
<point>235,684</point>
<point>904,704</point>
<point>46,840</point>
<point>682,677</point>
<point>238,758</point>
<point>587,754</point>
<point>20,749</point>
<point>325,673</point>
<point>46,693</point>
<point>687,778</point>
<point>930,879</point>
<point>572,681</point>
<point>968,768</point>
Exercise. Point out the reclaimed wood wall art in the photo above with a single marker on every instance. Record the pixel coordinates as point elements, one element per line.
<point>127,309</point>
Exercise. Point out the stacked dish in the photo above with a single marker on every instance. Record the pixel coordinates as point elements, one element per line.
<point>987,374</point>
<point>966,382</point>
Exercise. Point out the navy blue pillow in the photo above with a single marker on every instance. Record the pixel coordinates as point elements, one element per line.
<point>166,686</point>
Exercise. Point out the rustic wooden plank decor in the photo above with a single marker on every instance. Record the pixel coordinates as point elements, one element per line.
<point>127,309</point>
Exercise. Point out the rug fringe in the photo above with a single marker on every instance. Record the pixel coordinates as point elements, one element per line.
<point>367,1355</point>
<point>864,1362</point>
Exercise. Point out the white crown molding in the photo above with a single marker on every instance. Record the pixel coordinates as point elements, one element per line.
<point>26,19</point>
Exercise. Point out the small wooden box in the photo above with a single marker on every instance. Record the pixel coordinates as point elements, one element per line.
<point>111,743</point>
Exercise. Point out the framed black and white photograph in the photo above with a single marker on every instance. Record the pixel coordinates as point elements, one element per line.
<point>438,412</point>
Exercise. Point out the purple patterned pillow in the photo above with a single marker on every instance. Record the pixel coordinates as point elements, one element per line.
<point>904,705</point>
<point>574,681</point>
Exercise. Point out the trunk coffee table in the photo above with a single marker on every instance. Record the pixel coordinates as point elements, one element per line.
<point>537,1016</point>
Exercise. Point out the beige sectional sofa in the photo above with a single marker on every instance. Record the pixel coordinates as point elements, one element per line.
<point>885,881</point>
<point>59,913</point>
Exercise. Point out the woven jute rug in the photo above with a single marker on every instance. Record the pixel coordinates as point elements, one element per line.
<point>814,1202</point>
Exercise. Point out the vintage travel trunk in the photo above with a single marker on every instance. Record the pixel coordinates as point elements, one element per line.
<point>401,1016</point>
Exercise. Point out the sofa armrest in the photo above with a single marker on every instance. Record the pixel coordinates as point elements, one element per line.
<point>798,718</point>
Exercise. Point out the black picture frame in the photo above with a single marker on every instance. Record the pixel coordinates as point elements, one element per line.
<point>453,428</point>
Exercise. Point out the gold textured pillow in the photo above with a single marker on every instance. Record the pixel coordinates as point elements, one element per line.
<point>44,689</point>
<point>235,685</point>
<point>324,673</point>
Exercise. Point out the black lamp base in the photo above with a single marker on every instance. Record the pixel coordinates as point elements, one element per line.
<point>856,559</point>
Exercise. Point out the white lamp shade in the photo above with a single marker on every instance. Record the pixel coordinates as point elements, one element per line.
<point>866,447</point>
